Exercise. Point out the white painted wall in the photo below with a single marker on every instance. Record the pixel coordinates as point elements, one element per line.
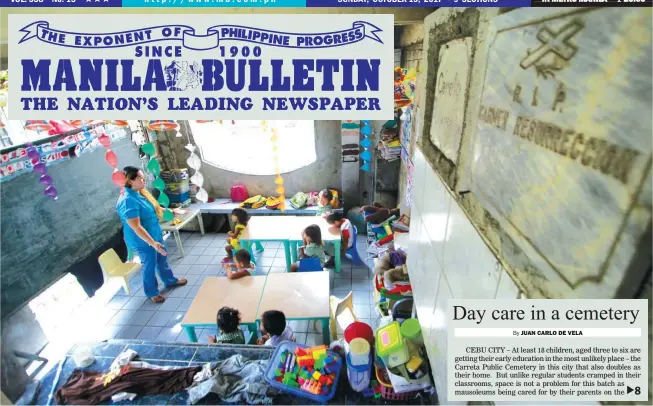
<point>447,259</point>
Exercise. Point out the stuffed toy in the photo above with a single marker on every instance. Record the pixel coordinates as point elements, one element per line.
<point>396,274</point>
<point>388,261</point>
<point>377,214</point>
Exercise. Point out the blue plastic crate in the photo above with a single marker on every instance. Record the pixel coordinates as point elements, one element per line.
<point>274,363</point>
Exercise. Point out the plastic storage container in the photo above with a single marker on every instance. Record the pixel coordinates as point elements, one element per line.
<point>359,375</point>
<point>411,330</point>
<point>359,352</point>
<point>275,361</point>
<point>390,345</point>
<point>359,329</point>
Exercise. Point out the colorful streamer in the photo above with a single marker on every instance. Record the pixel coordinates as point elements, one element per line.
<point>366,143</point>
<point>154,167</point>
<point>275,155</point>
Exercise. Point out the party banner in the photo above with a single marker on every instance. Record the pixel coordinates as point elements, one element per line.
<point>189,66</point>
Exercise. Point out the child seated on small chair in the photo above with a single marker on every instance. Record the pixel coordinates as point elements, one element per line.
<point>274,329</point>
<point>313,246</point>
<point>240,218</point>
<point>337,220</point>
<point>228,320</point>
<point>242,267</point>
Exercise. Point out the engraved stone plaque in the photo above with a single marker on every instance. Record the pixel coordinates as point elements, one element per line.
<point>449,100</point>
<point>562,148</point>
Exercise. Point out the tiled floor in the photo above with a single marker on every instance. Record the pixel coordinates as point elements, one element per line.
<point>134,316</point>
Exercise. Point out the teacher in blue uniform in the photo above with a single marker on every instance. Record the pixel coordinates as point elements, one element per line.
<point>143,235</point>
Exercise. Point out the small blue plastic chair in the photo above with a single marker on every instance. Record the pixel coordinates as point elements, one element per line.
<point>352,252</point>
<point>310,264</point>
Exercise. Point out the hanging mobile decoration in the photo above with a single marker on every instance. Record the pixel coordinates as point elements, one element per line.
<point>38,125</point>
<point>117,177</point>
<point>154,167</point>
<point>40,168</point>
<point>118,123</point>
<point>162,125</point>
<point>366,155</point>
<point>197,179</point>
<point>275,155</point>
<point>33,154</point>
<point>81,123</point>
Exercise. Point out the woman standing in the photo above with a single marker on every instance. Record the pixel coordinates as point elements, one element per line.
<point>143,235</point>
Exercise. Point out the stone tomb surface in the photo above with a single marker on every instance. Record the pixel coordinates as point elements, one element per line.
<point>449,101</point>
<point>562,150</point>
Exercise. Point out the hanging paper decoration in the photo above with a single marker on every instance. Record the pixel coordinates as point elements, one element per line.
<point>81,123</point>
<point>275,155</point>
<point>38,125</point>
<point>162,125</point>
<point>118,123</point>
<point>366,155</point>
<point>154,167</point>
<point>117,177</point>
<point>194,162</point>
<point>40,168</point>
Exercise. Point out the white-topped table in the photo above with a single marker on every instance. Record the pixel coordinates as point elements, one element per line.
<point>243,294</point>
<point>300,296</point>
<point>190,214</point>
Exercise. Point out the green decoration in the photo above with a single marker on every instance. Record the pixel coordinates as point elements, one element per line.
<point>163,200</point>
<point>159,184</point>
<point>154,167</point>
<point>168,215</point>
<point>148,148</point>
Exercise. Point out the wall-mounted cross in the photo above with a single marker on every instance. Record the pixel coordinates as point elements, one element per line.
<point>556,42</point>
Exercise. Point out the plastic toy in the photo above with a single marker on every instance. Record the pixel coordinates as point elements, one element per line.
<point>319,362</point>
<point>290,380</point>
<point>307,372</point>
<point>306,360</point>
<point>319,353</point>
<point>312,387</point>
<point>317,348</point>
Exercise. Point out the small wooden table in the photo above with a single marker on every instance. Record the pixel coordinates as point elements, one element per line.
<point>300,296</point>
<point>268,229</point>
<point>329,235</point>
<point>185,219</point>
<point>243,294</point>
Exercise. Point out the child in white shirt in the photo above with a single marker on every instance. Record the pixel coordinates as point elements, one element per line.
<point>275,329</point>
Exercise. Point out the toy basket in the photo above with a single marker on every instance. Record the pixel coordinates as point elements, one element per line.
<point>387,392</point>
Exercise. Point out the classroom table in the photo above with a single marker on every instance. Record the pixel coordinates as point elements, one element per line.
<point>329,235</point>
<point>268,229</point>
<point>216,292</point>
<point>185,219</point>
<point>300,296</point>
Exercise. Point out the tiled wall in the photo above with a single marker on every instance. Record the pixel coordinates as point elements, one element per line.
<point>448,259</point>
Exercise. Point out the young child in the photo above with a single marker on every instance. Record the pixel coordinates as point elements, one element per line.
<point>242,267</point>
<point>240,218</point>
<point>228,320</point>
<point>346,235</point>
<point>324,202</point>
<point>313,246</point>
<point>274,329</point>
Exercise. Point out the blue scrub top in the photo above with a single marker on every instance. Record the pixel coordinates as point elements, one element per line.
<point>131,205</point>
